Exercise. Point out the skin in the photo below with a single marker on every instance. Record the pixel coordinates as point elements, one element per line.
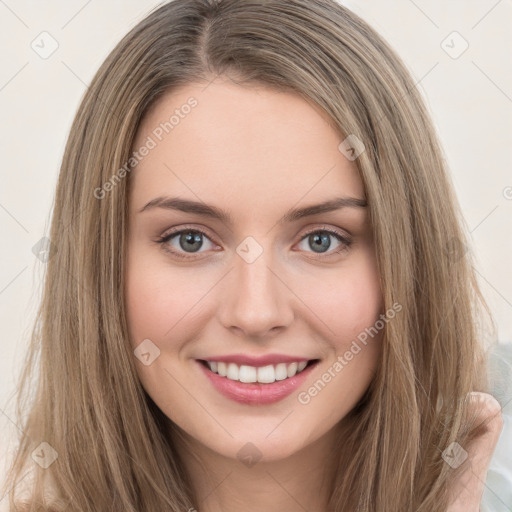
<point>256,153</point>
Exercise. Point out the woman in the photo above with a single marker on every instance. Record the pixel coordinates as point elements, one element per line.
<point>271,370</point>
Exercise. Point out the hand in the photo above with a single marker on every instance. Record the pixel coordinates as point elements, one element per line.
<point>484,411</point>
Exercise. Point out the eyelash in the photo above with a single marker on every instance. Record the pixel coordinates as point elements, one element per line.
<point>345,242</point>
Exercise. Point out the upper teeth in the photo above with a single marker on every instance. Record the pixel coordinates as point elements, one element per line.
<point>263,374</point>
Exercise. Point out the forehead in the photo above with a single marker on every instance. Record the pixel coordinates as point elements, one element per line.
<point>250,144</point>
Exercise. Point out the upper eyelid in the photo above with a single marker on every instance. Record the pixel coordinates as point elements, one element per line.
<point>205,231</point>
<point>179,230</point>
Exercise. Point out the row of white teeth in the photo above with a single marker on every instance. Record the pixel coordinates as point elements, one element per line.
<point>263,374</point>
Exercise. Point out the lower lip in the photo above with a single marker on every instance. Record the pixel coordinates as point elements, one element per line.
<point>256,393</point>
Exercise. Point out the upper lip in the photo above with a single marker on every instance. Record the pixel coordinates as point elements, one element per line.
<point>265,360</point>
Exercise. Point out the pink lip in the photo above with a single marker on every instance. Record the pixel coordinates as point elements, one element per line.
<point>256,393</point>
<point>257,361</point>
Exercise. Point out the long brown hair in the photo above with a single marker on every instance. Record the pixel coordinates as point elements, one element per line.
<point>113,447</point>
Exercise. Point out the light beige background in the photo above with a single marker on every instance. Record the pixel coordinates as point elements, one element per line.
<point>470,98</point>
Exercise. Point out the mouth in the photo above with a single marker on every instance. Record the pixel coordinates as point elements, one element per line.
<point>257,385</point>
<point>267,374</point>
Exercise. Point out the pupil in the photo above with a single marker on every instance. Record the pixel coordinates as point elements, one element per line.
<point>320,241</point>
<point>191,238</point>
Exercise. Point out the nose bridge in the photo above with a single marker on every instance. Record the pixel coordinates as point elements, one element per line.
<point>255,300</point>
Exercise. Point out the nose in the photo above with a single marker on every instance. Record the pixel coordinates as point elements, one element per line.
<point>255,299</point>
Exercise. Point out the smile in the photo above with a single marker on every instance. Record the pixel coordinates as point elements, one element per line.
<point>256,385</point>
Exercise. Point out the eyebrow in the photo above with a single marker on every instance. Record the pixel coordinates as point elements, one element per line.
<point>199,208</point>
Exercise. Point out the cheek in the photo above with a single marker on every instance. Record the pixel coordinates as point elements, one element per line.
<point>348,301</point>
<point>157,297</point>
<point>349,307</point>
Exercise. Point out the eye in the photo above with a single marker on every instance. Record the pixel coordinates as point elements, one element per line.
<point>187,241</point>
<point>191,240</point>
<point>319,239</point>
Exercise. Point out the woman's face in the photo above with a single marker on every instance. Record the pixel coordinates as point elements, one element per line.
<point>259,290</point>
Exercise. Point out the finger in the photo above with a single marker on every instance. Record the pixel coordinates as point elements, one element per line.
<point>485,420</point>
<point>486,423</point>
